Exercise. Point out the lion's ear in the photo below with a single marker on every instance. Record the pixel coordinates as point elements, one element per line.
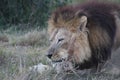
<point>81,19</point>
<point>82,23</point>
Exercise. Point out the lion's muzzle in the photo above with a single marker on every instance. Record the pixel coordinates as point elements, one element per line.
<point>50,52</point>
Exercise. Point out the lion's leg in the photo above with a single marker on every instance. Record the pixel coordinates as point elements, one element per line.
<point>99,67</point>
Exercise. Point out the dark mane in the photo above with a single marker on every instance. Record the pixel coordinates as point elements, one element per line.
<point>101,25</point>
<point>92,10</point>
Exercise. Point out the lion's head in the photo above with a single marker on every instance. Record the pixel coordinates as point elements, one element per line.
<point>68,38</point>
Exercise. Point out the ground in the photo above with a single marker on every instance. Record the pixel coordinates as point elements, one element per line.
<point>20,50</point>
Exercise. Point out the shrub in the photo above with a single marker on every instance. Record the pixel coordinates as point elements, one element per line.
<point>31,12</point>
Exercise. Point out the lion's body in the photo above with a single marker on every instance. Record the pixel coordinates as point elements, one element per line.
<point>94,44</point>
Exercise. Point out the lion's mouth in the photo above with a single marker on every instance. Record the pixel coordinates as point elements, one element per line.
<point>58,60</point>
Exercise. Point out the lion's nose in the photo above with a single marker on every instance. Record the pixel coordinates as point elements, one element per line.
<point>49,55</point>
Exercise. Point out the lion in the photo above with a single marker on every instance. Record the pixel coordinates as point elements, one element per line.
<point>84,35</point>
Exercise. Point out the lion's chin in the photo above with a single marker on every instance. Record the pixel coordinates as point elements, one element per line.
<point>62,66</point>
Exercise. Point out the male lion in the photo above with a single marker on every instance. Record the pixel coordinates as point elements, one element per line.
<point>84,35</point>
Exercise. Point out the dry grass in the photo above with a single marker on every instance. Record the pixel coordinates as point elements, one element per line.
<point>3,38</point>
<point>20,52</point>
<point>30,38</point>
<point>28,49</point>
<point>16,60</point>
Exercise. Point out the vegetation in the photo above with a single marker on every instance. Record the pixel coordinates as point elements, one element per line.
<point>24,41</point>
<point>30,12</point>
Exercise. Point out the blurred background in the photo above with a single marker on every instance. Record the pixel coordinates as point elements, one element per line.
<point>27,13</point>
<point>24,41</point>
<point>22,14</point>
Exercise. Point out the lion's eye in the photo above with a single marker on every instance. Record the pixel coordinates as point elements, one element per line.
<point>61,39</point>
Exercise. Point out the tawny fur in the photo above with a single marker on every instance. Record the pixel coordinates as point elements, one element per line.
<point>94,44</point>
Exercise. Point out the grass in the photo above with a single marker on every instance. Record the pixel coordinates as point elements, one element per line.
<point>3,37</point>
<point>21,50</point>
